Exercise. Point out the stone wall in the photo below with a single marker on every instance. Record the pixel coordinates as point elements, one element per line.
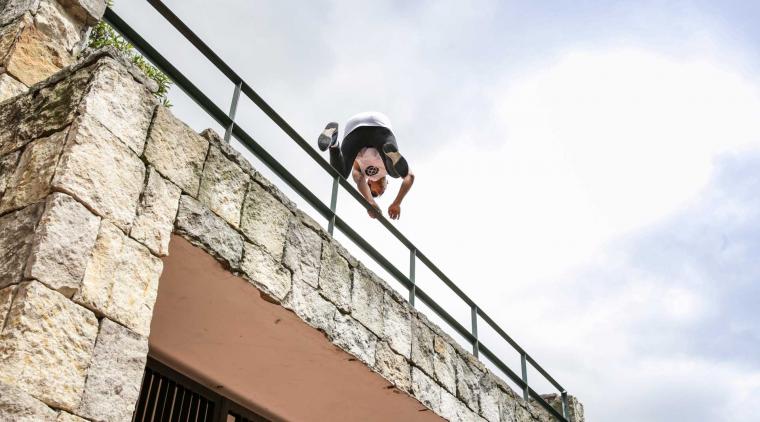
<point>94,179</point>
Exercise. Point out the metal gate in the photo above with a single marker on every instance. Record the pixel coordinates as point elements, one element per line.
<point>168,396</point>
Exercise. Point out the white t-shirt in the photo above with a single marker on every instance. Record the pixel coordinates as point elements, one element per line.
<point>371,164</point>
<point>368,118</point>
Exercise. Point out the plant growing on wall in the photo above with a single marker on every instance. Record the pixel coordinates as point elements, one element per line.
<point>103,35</point>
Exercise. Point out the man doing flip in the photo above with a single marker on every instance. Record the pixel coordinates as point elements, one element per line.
<point>370,153</point>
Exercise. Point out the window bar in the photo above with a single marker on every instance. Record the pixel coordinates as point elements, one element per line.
<point>333,205</point>
<point>524,364</point>
<point>476,342</point>
<point>233,110</point>
<point>413,289</point>
<point>565,407</point>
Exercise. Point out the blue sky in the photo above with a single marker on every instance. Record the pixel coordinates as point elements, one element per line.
<point>587,171</point>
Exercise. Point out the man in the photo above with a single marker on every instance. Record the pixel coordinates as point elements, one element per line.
<point>370,153</point>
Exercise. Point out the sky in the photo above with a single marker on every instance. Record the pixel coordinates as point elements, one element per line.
<point>587,171</point>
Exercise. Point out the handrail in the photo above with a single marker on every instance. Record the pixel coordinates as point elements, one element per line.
<point>233,128</point>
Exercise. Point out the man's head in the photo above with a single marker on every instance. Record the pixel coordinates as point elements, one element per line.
<point>377,187</point>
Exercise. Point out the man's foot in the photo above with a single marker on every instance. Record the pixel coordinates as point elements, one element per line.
<point>328,137</point>
<point>400,167</point>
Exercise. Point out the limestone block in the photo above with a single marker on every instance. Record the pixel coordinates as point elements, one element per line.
<point>454,410</point>
<point>10,87</point>
<point>6,297</point>
<point>335,278</point>
<point>223,186</point>
<point>16,234</point>
<point>265,272</point>
<point>36,56</point>
<point>68,417</point>
<point>156,213</point>
<point>443,364</point>
<point>393,367</point>
<point>207,230</point>
<point>397,328</point>
<point>65,236</point>
<point>32,179</point>
<point>87,11</point>
<point>426,390</point>
<point>10,115</point>
<point>352,337</point>
<point>12,9</point>
<point>311,307</point>
<point>100,171</point>
<point>303,251</point>
<point>7,167</point>
<point>18,406</point>
<point>115,375</point>
<point>121,280</point>
<point>121,104</point>
<point>507,404</point>
<point>265,220</point>
<point>422,346</point>
<point>46,345</point>
<point>176,151</point>
<point>367,297</point>
<point>468,382</point>
<point>489,397</point>
<point>51,108</point>
<point>58,25</point>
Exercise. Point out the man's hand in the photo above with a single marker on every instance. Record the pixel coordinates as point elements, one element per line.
<point>394,211</point>
<point>375,211</point>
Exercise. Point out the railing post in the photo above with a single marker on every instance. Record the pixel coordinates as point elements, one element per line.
<point>413,289</point>
<point>524,364</point>
<point>333,205</point>
<point>565,408</point>
<point>233,110</point>
<point>476,342</point>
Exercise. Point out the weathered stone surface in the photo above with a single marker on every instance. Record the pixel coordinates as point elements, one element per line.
<point>393,367</point>
<point>10,87</point>
<point>574,407</point>
<point>115,375</point>
<point>367,297</point>
<point>100,171</point>
<point>206,229</point>
<point>223,186</point>
<point>489,397</point>
<point>10,115</point>
<point>443,364</point>
<point>468,382</point>
<point>507,404</point>
<point>16,234</point>
<point>311,307</point>
<point>156,213</point>
<point>303,251</point>
<point>265,272</point>
<point>176,150</point>
<point>422,346</point>
<point>6,297</point>
<point>121,104</point>
<point>335,278</point>
<point>397,327</point>
<point>34,172</point>
<point>58,25</point>
<point>352,337</point>
<point>121,279</point>
<point>265,220</point>
<point>426,390</point>
<point>12,9</point>
<point>65,235</point>
<point>454,410</point>
<point>68,417</point>
<point>36,55</point>
<point>87,11</point>
<point>7,168</point>
<point>52,107</point>
<point>18,406</point>
<point>46,345</point>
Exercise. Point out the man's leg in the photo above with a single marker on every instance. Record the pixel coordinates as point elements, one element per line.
<point>394,162</point>
<point>337,161</point>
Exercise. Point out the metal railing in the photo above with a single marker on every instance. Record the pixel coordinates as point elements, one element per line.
<point>233,129</point>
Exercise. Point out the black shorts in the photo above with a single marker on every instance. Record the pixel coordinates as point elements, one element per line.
<point>362,137</point>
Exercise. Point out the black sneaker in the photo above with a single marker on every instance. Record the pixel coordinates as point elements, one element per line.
<point>328,137</point>
<point>400,167</point>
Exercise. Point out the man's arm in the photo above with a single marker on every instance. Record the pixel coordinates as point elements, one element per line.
<point>394,211</point>
<point>361,184</point>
